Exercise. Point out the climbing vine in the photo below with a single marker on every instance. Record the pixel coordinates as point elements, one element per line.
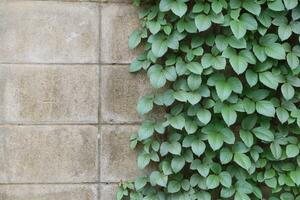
<point>229,72</point>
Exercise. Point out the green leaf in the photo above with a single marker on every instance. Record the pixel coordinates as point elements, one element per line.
<point>212,181</point>
<point>159,48</point>
<point>140,182</point>
<point>292,150</point>
<point>238,29</point>
<point>263,134</point>
<point>229,115</point>
<point>287,91</point>
<point>275,51</point>
<point>225,179</point>
<point>242,160</point>
<point>252,7</point>
<point>284,31</point>
<point>215,140</point>
<point>134,39</point>
<point>154,26</point>
<point>292,60</point>
<point>265,108</point>
<point>204,115</point>
<point>157,76</point>
<point>174,186</point>
<point>223,90</point>
<point>290,4</point>
<point>225,155</point>
<point>157,178</point>
<point>295,176</point>
<point>179,8</point>
<point>194,81</point>
<point>276,150</point>
<point>203,22</point>
<point>251,77</point>
<point>177,121</point>
<point>238,63</point>
<point>146,130</point>
<point>268,79</point>
<point>198,147</point>
<point>195,67</point>
<point>174,148</point>
<point>247,137</point>
<point>282,114</point>
<point>241,196</point>
<point>143,160</point>
<point>276,5</point>
<point>177,163</point>
<point>145,104</point>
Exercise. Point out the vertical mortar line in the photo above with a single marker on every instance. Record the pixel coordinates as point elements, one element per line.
<point>99,102</point>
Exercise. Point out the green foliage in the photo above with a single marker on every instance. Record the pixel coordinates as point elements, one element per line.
<point>228,77</point>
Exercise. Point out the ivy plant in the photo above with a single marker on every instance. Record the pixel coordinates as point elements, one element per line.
<point>229,73</point>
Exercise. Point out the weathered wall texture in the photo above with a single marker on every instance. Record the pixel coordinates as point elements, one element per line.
<point>67,101</point>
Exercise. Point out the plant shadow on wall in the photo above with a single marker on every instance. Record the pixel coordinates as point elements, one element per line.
<point>231,130</point>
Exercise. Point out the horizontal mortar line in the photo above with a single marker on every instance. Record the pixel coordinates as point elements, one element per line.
<point>6,63</point>
<point>48,124</point>
<point>78,1</point>
<point>119,123</point>
<point>52,183</point>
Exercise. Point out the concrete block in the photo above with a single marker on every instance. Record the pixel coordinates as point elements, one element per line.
<point>48,154</point>
<point>120,91</point>
<point>49,32</point>
<point>48,192</point>
<point>117,23</point>
<point>49,93</point>
<point>118,161</point>
<point>108,191</point>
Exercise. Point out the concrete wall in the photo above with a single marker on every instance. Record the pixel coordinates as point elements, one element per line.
<point>67,101</point>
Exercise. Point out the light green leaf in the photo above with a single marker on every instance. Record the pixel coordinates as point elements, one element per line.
<point>282,114</point>
<point>284,31</point>
<point>215,140</point>
<point>295,176</point>
<point>204,115</point>
<point>203,22</point>
<point>251,77</point>
<point>242,160</point>
<point>238,63</point>
<point>157,76</point>
<point>263,134</point>
<point>276,5</point>
<point>265,108</point>
<point>287,91</point>
<point>134,39</point>
<point>174,148</point>
<point>290,4</point>
<point>223,90</point>
<point>159,48</point>
<point>179,8</point>
<point>212,181</point>
<point>252,7</point>
<point>140,182</point>
<point>225,155</point>
<point>229,115</point>
<point>276,150</point>
<point>268,79</point>
<point>247,137</point>
<point>157,178</point>
<point>195,67</point>
<point>198,147</point>
<point>238,29</point>
<point>292,150</point>
<point>275,51</point>
<point>174,186</point>
<point>146,130</point>
<point>292,60</point>
<point>177,121</point>
<point>225,179</point>
<point>177,163</point>
<point>145,104</point>
<point>194,81</point>
<point>143,160</point>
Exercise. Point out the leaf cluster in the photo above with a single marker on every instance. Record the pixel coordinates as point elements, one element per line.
<point>229,70</point>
